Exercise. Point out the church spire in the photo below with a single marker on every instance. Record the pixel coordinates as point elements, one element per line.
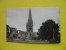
<point>30,21</point>
<point>29,26</point>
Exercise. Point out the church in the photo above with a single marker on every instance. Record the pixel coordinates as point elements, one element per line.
<point>29,34</point>
<point>22,35</point>
<point>29,28</point>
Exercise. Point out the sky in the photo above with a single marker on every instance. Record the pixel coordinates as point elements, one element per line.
<point>18,17</point>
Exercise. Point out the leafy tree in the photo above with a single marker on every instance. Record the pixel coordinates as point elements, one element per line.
<point>49,30</point>
<point>8,32</point>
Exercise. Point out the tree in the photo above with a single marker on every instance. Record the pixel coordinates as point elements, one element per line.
<point>48,30</point>
<point>8,31</point>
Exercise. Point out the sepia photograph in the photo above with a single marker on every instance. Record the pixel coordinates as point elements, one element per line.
<point>33,25</point>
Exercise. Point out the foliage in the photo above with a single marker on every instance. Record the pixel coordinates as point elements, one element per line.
<point>48,31</point>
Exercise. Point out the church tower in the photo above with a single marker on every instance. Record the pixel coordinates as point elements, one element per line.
<point>29,26</point>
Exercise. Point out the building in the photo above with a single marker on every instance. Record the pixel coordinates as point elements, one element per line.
<point>29,27</point>
<point>29,34</point>
<point>21,35</point>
